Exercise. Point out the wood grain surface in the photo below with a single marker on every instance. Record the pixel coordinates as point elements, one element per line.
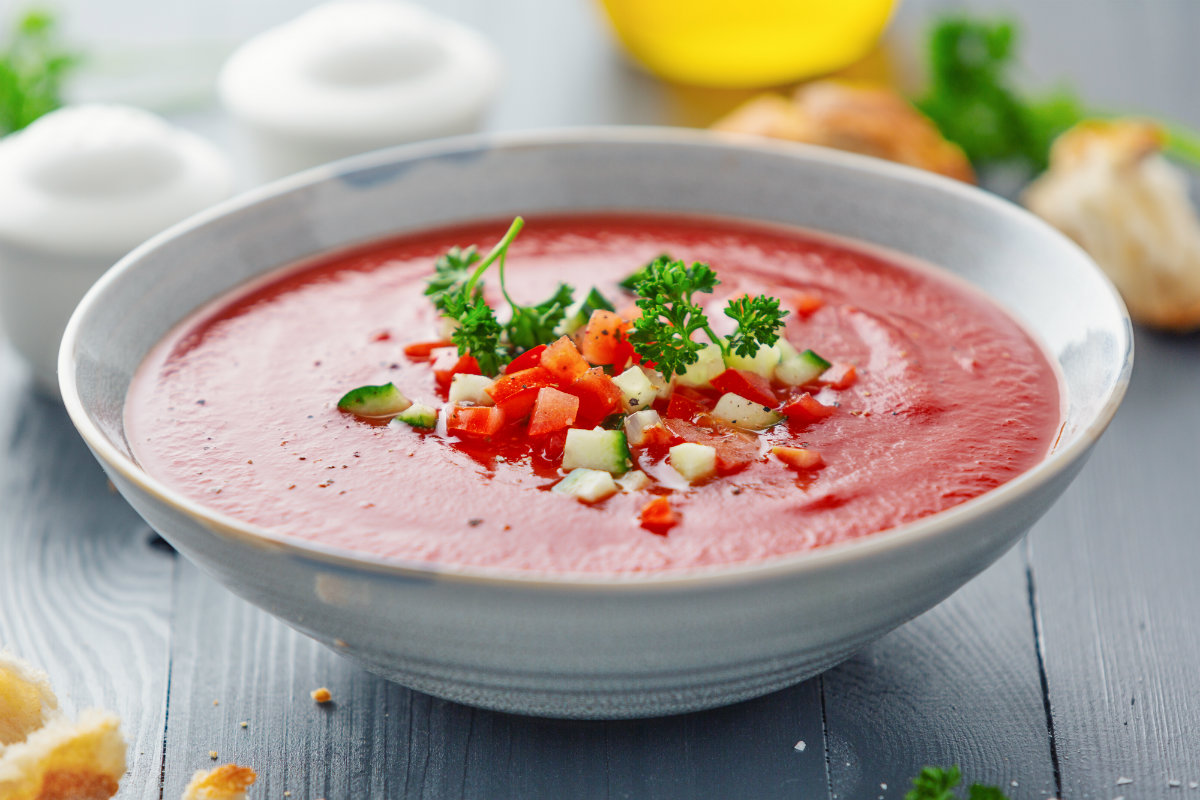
<point>1068,666</point>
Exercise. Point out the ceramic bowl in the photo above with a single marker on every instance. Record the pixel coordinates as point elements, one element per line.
<point>603,647</point>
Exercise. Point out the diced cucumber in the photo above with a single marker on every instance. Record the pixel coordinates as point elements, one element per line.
<point>743,413</point>
<point>470,389</point>
<point>633,481</point>
<point>763,362</point>
<point>596,449</point>
<point>374,401</point>
<point>802,369</point>
<point>587,485</point>
<point>710,365</point>
<point>639,425</point>
<point>636,390</point>
<point>695,462</point>
<point>418,415</point>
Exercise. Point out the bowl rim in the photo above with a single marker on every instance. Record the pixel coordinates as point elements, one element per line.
<point>879,544</point>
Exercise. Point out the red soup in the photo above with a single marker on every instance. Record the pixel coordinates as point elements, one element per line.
<point>891,393</point>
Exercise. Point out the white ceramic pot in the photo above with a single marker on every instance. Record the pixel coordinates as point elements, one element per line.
<point>596,646</point>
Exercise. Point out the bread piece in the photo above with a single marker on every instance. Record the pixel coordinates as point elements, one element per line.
<point>66,760</point>
<point>226,782</point>
<point>43,754</point>
<point>1111,190</point>
<point>860,118</point>
<point>26,700</point>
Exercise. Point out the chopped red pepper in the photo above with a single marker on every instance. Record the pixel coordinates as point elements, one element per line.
<point>685,404</point>
<point>444,372</point>
<point>658,516</point>
<point>798,457</point>
<point>552,410</point>
<point>749,385</point>
<point>840,376</point>
<point>507,385</point>
<point>420,350</point>
<point>475,420</point>
<point>806,302</point>
<point>563,359</point>
<point>530,358</point>
<point>598,396</point>
<point>806,408</point>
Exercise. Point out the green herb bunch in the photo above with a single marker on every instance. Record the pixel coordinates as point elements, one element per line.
<point>937,783</point>
<point>33,66</point>
<point>665,332</point>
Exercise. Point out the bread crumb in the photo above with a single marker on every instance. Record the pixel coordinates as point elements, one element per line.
<point>244,724</point>
<point>226,782</point>
<point>322,695</point>
<point>212,754</point>
<point>43,754</point>
<point>216,702</point>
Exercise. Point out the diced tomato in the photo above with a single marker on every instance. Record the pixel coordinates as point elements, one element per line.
<point>806,302</point>
<point>518,406</point>
<point>658,516</point>
<point>749,385</point>
<point>530,358</point>
<point>840,376</point>
<point>598,396</point>
<point>806,408</point>
<point>549,447</point>
<point>563,359</point>
<point>602,337</point>
<point>735,448</point>
<point>798,457</point>
<point>425,349</point>
<point>507,385</point>
<point>475,420</point>
<point>685,404</point>
<point>444,372</point>
<point>552,410</point>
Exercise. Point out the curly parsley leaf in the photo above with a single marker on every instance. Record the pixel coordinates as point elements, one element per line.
<point>450,272</point>
<point>534,325</point>
<point>33,67</point>
<point>938,783</point>
<point>663,334</point>
<point>935,783</point>
<point>631,281</point>
<point>759,320</point>
<point>478,332</point>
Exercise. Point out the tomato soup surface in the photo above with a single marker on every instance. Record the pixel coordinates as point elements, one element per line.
<point>236,408</point>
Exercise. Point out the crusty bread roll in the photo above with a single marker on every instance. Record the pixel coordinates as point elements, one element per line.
<point>872,120</point>
<point>43,754</point>
<point>1111,190</point>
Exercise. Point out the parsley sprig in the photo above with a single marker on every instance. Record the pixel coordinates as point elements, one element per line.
<point>937,783</point>
<point>665,332</point>
<point>33,66</point>
<point>456,291</point>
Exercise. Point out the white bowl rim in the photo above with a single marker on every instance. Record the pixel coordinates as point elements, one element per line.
<point>878,544</point>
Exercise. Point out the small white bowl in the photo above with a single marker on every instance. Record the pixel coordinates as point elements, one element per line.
<point>82,186</point>
<point>593,646</point>
<point>348,77</point>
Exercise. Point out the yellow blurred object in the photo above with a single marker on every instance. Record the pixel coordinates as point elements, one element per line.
<point>746,43</point>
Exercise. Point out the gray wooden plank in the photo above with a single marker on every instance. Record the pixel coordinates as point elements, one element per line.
<point>83,594</point>
<point>380,740</point>
<point>1116,565</point>
<point>958,685</point>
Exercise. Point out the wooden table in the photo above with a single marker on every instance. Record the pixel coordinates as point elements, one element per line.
<point>1070,668</point>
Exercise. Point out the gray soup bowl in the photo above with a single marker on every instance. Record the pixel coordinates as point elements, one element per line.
<point>588,646</point>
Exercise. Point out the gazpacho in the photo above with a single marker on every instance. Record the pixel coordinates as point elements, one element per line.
<point>594,393</point>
